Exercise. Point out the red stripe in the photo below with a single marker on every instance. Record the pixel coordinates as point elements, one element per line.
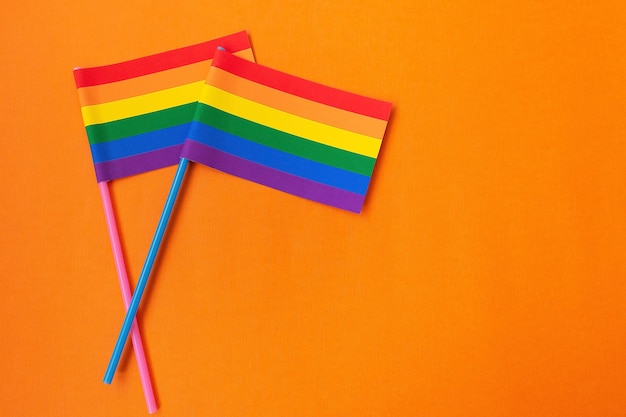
<point>86,77</point>
<point>300,87</point>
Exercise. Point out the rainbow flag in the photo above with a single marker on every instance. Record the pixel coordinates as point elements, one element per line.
<point>137,113</point>
<point>287,133</point>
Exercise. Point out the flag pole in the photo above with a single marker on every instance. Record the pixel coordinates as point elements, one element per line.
<point>145,272</point>
<point>118,256</point>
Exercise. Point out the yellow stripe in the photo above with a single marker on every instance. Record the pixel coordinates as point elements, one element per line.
<point>146,103</point>
<point>289,123</point>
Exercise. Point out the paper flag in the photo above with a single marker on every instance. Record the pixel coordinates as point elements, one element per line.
<point>287,133</point>
<point>137,113</point>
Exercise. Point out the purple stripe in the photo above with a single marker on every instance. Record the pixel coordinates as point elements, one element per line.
<point>270,177</point>
<point>137,164</point>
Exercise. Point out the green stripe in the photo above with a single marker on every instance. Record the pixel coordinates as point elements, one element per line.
<point>149,122</point>
<point>285,142</point>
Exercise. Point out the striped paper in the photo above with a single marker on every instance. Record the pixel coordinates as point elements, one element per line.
<point>287,133</point>
<point>137,113</point>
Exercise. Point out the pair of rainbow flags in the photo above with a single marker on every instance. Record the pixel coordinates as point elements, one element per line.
<point>251,121</point>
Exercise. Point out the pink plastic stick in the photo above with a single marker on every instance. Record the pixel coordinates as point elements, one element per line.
<point>118,256</point>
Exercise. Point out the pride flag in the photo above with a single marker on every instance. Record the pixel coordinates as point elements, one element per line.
<point>287,133</point>
<point>137,113</point>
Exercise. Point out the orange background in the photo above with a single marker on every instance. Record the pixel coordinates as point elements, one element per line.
<point>486,276</point>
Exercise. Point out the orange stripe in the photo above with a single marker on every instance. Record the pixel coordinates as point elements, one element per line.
<point>296,105</point>
<point>245,54</point>
<point>157,81</point>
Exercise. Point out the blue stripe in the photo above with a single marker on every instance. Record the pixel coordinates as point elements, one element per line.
<point>137,144</point>
<point>279,160</point>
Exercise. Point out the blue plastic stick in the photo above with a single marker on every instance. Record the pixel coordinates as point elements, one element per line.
<point>145,272</point>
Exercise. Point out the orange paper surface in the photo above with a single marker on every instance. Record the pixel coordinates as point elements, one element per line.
<point>485,276</point>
